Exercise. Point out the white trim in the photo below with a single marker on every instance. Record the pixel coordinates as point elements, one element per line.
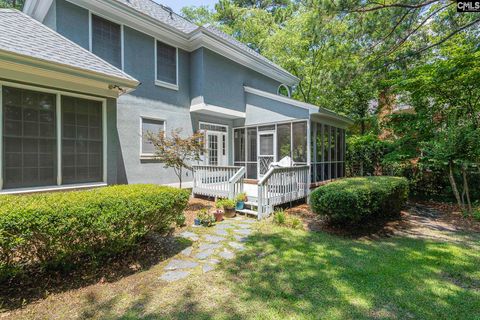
<point>54,188</point>
<point>90,36</point>
<point>58,94</point>
<point>22,68</point>
<point>122,46</point>
<point>1,136</point>
<point>168,85</point>
<point>216,110</point>
<point>38,9</point>
<point>289,95</point>
<point>59,138</point>
<point>313,109</point>
<point>147,156</point>
<point>105,137</point>
<point>90,24</point>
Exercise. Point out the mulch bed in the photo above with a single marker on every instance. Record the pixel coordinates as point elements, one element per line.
<point>379,228</point>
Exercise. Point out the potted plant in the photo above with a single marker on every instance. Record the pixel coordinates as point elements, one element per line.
<point>228,206</point>
<point>241,199</point>
<point>206,219</point>
<point>218,212</point>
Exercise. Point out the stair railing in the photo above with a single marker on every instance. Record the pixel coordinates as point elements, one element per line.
<point>282,185</point>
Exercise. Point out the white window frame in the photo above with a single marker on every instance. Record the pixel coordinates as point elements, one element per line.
<point>149,155</point>
<point>122,37</point>
<point>58,94</point>
<point>161,83</point>
<point>286,87</point>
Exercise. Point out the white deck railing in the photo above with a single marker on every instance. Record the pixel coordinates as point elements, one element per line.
<point>218,181</point>
<point>282,185</point>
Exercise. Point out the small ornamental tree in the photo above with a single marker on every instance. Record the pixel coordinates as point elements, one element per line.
<point>175,151</point>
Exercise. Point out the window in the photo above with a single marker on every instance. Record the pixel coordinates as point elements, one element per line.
<point>154,127</point>
<point>106,40</point>
<point>82,140</point>
<point>283,90</point>
<point>166,65</point>
<point>29,138</point>
<point>50,138</point>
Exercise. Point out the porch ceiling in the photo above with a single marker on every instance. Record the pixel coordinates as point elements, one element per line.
<point>216,111</point>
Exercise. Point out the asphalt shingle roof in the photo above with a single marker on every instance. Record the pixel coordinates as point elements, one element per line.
<point>160,13</point>
<point>23,35</point>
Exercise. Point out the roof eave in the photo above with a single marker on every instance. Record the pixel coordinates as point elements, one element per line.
<point>124,85</point>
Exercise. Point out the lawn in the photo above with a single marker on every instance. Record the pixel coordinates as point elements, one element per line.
<point>293,274</point>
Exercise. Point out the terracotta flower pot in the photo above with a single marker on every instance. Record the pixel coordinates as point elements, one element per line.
<point>218,216</point>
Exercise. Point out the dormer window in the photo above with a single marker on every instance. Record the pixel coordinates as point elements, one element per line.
<point>166,60</point>
<point>283,90</point>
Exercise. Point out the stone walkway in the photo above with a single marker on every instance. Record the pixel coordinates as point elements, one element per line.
<point>210,245</point>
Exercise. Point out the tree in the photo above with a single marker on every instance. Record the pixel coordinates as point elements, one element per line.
<point>175,151</point>
<point>17,4</point>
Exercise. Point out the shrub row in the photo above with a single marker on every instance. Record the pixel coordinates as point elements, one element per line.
<point>354,199</point>
<point>51,230</point>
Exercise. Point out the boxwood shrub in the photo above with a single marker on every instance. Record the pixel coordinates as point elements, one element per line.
<point>354,199</point>
<point>53,230</point>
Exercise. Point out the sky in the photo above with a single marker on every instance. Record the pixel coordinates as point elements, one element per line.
<point>176,5</point>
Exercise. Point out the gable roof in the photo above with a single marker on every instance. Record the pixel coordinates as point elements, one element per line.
<point>24,36</point>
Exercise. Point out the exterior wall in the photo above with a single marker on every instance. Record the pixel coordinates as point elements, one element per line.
<point>51,17</point>
<point>203,76</point>
<point>263,110</point>
<point>223,81</point>
<point>72,22</point>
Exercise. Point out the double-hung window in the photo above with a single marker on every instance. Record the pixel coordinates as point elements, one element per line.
<point>107,40</point>
<point>166,61</point>
<point>154,127</point>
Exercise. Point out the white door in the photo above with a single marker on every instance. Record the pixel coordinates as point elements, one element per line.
<point>217,148</point>
<point>266,151</point>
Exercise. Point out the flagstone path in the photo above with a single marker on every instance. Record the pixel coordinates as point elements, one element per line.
<point>210,246</point>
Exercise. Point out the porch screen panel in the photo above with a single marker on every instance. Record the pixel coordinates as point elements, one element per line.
<point>326,150</point>
<point>299,132</point>
<point>29,138</point>
<point>239,146</point>
<point>252,153</point>
<point>284,145</point>
<point>82,140</point>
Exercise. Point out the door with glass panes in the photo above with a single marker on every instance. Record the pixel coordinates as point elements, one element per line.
<point>216,144</point>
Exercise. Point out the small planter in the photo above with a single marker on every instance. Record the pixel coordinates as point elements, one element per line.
<point>218,215</point>
<point>240,205</point>
<point>197,222</point>
<point>230,213</point>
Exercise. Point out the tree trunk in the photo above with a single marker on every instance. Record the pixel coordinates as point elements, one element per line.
<point>451,177</point>
<point>466,189</point>
<point>180,178</point>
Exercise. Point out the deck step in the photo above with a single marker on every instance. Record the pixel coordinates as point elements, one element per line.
<point>251,203</point>
<point>247,211</point>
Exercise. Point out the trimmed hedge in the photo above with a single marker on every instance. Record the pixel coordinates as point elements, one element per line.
<point>354,199</point>
<point>54,229</point>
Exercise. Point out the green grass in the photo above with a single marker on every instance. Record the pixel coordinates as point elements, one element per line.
<point>292,274</point>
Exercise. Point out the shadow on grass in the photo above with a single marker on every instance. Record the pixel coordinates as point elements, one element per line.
<point>294,274</point>
<point>37,284</point>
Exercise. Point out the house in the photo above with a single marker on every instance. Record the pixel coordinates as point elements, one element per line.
<point>190,77</point>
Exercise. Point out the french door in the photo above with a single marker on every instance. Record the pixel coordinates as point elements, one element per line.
<point>217,149</point>
<point>266,151</point>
